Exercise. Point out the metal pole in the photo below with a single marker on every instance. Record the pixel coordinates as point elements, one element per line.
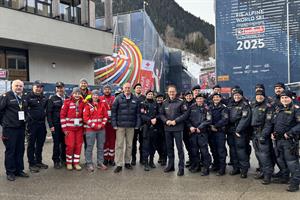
<point>288,39</point>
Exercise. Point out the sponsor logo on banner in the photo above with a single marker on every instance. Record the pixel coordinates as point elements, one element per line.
<point>148,65</point>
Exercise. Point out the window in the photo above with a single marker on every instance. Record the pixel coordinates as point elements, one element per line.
<point>16,61</point>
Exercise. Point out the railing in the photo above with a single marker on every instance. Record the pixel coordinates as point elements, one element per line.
<point>69,12</point>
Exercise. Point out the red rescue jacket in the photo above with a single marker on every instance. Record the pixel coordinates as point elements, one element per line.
<point>108,102</point>
<point>94,116</point>
<point>71,115</point>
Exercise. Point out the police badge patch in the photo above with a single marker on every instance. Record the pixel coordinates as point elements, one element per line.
<point>244,113</point>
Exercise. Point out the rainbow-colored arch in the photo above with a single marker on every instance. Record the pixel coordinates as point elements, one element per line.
<point>126,66</point>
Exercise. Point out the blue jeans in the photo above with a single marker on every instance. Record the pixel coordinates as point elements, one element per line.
<point>91,137</point>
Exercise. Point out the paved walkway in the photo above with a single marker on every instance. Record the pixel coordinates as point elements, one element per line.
<point>136,184</point>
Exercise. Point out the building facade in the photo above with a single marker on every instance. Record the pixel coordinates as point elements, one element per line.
<point>50,40</point>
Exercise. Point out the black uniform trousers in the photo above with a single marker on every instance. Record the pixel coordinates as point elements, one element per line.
<point>149,142</point>
<point>14,139</point>
<point>138,136</point>
<point>199,141</point>
<point>36,139</point>
<point>288,161</point>
<point>178,137</point>
<point>59,146</point>
<point>217,144</point>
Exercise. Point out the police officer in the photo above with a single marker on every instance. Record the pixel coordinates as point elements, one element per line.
<point>149,115</point>
<point>199,119</point>
<point>238,137</point>
<point>286,135</point>
<point>138,133</point>
<point>12,110</point>
<point>36,117</point>
<point>278,90</point>
<point>54,105</point>
<point>217,136</point>
<point>261,123</point>
<point>173,114</point>
<point>188,101</point>
<point>161,139</point>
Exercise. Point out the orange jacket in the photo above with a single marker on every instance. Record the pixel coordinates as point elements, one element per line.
<point>94,116</point>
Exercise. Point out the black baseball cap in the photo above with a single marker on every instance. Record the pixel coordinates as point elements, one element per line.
<point>59,84</point>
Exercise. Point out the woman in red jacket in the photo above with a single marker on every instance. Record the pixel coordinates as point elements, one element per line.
<point>71,117</point>
<point>95,117</point>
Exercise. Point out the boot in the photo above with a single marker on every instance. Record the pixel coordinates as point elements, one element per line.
<point>235,172</point>
<point>151,163</point>
<point>243,175</point>
<point>180,172</point>
<point>146,166</point>
<point>281,180</point>
<point>266,180</point>
<point>293,188</point>
<point>205,171</point>
<point>195,169</point>
<point>169,169</point>
<point>163,162</point>
<point>221,172</point>
<point>77,167</point>
<point>133,161</point>
<point>259,175</point>
<point>69,167</point>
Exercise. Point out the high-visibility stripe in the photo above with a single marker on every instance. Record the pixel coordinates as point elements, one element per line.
<point>68,156</point>
<point>75,160</point>
<point>73,125</point>
<point>63,125</point>
<point>76,156</point>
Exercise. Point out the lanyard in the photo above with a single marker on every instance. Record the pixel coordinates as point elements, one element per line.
<point>19,103</point>
<point>77,108</point>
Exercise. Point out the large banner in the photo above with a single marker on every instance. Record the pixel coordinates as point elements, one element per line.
<point>251,37</point>
<point>127,66</point>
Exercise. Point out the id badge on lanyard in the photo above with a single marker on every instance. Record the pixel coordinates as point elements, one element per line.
<point>76,120</point>
<point>21,113</point>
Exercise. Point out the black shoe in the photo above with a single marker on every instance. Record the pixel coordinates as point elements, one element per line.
<point>230,163</point>
<point>105,162</point>
<point>169,169</point>
<point>258,169</point>
<point>151,164</point>
<point>22,175</point>
<point>57,165</point>
<point>293,188</point>
<point>180,172</point>
<point>41,166</point>
<point>128,166</point>
<point>205,171</point>
<point>259,175</point>
<point>235,172</point>
<point>11,177</point>
<point>118,169</point>
<point>221,172</point>
<point>244,175</point>
<point>281,180</point>
<point>142,162</point>
<point>214,168</point>
<point>34,169</point>
<point>195,169</point>
<point>146,167</point>
<point>159,160</point>
<point>266,180</point>
<point>111,163</point>
<point>133,162</point>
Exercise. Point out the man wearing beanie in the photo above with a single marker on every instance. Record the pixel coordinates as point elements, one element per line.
<point>217,136</point>
<point>278,89</point>
<point>286,135</point>
<point>238,137</point>
<point>86,95</point>
<point>261,123</point>
<point>138,133</point>
<point>149,115</point>
<point>110,133</point>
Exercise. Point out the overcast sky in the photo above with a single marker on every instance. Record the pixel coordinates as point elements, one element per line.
<point>200,8</point>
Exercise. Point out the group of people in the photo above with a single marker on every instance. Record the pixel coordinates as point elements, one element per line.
<point>203,123</point>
